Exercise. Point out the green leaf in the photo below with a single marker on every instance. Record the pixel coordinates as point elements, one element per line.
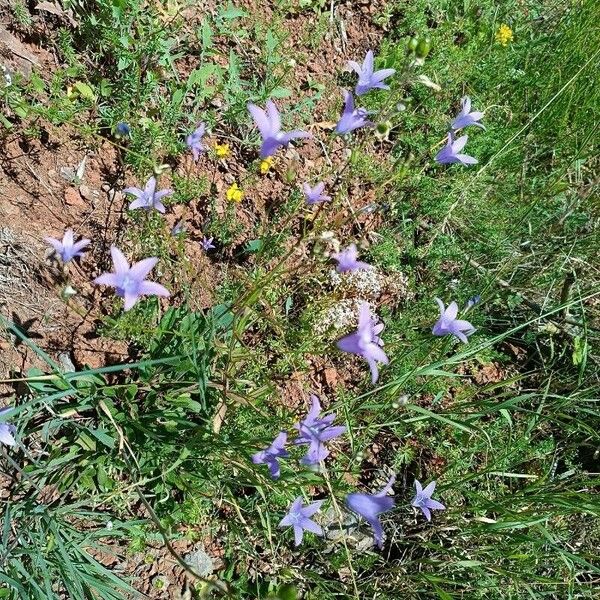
<point>254,246</point>
<point>84,90</point>
<point>103,437</point>
<point>281,92</point>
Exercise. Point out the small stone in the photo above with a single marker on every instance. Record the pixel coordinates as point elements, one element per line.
<point>73,198</point>
<point>200,561</point>
<point>87,193</point>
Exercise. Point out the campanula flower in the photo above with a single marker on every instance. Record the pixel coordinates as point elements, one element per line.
<point>122,130</point>
<point>315,431</point>
<point>178,228</point>
<point>367,79</point>
<point>423,499</point>
<point>347,260</point>
<point>67,249</point>
<point>207,244</point>
<point>148,197</point>
<point>269,125</point>
<point>365,341</point>
<point>370,506</point>
<point>7,431</point>
<point>130,282</point>
<point>298,517</point>
<point>315,195</point>
<point>448,324</point>
<point>194,141</point>
<point>471,302</point>
<point>450,153</point>
<point>465,117</point>
<point>352,118</point>
<point>270,455</point>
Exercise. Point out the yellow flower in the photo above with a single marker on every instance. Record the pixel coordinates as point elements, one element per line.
<point>504,35</point>
<point>234,193</point>
<point>265,165</point>
<point>222,150</point>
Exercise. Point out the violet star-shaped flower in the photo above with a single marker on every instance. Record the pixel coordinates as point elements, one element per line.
<point>424,501</point>
<point>7,431</point>
<point>122,130</point>
<point>448,324</point>
<point>367,79</point>
<point>67,249</point>
<point>271,454</point>
<point>465,117</point>
<point>450,153</point>
<point>130,282</point>
<point>298,517</point>
<point>315,431</point>
<point>269,125</point>
<point>352,118</point>
<point>370,506</point>
<point>194,141</point>
<point>347,260</point>
<point>365,341</point>
<point>315,195</point>
<point>148,197</point>
<point>207,244</point>
<point>178,228</point>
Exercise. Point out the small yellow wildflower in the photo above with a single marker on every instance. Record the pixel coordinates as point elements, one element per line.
<point>234,193</point>
<point>504,35</point>
<point>222,150</point>
<point>265,165</point>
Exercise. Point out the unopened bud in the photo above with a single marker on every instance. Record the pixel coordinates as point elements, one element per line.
<point>423,47</point>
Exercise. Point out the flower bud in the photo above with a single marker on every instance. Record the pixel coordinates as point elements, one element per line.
<point>382,131</point>
<point>423,47</point>
<point>412,45</point>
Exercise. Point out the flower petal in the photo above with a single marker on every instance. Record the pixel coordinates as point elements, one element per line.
<point>260,119</point>
<point>119,260</point>
<point>140,269</point>
<point>149,288</point>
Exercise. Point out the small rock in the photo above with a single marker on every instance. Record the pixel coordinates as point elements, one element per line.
<point>87,193</point>
<point>67,173</point>
<point>200,561</point>
<point>73,198</point>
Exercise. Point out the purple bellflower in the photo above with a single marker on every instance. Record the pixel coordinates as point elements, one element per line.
<point>130,281</point>
<point>352,118</point>
<point>269,125</point>
<point>465,117</point>
<point>298,517</point>
<point>178,228</point>
<point>365,341</point>
<point>122,130</point>
<point>315,431</point>
<point>370,506</point>
<point>450,153</point>
<point>423,499</point>
<point>315,195</point>
<point>67,249</point>
<point>148,197</point>
<point>7,431</point>
<point>346,260</point>
<point>269,455</point>
<point>448,324</point>
<point>194,141</point>
<point>367,79</point>
<point>207,244</point>
<point>471,302</point>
